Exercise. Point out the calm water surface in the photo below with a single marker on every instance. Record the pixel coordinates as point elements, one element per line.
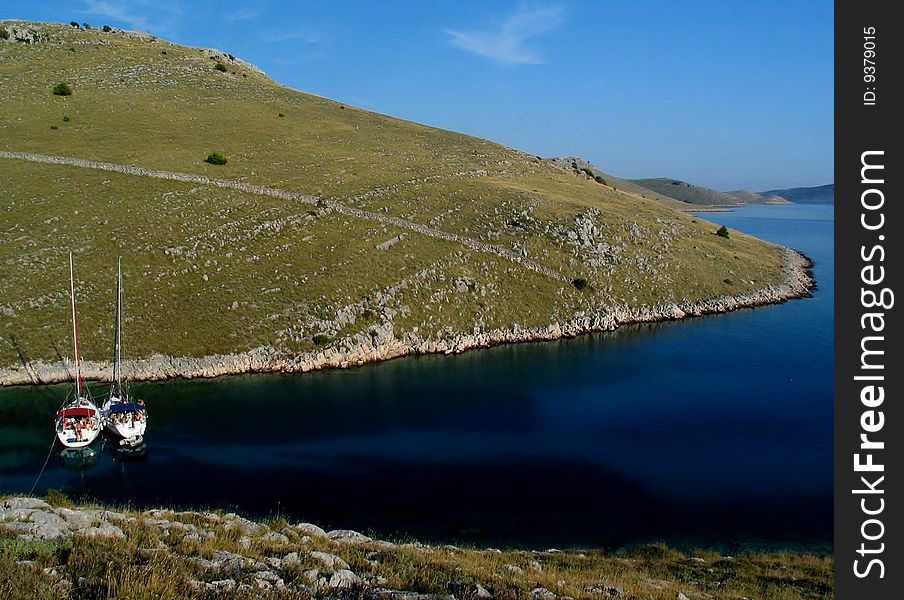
<point>714,431</point>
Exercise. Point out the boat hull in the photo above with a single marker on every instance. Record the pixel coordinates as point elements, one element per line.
<point>78,424</point>
<point>124,419</point>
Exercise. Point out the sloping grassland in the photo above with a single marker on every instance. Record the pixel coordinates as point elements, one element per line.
<point>214,270</point>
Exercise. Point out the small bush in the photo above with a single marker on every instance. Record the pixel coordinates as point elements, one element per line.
<point>163,52</point>
<point>107,28</point>
<point>74,24</point>
<point>728,281</point>
<point>62,89</point>
<point>580,283</point>
<point>723,232</point>
<point>321,339</point>
<point>54,127</point>
<point>281,115</point>
<point>58,498</point>
<point>36,550</point>
<point>216,158</point>
<point>4,33</point>
<point>66,119</point>
<point>599,179</point>
<point>220,67</point>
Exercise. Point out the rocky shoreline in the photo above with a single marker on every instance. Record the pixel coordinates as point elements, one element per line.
<point>54,548</point>
<point>381,343</point>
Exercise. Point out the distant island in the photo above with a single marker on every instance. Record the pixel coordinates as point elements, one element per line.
<point>267,229</point>
<point>822,193</point>
<point>682,195</point>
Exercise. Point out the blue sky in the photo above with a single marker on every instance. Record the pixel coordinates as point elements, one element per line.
<point>722,93</point>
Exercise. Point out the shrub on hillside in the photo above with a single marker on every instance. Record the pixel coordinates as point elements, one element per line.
<point>220,67</point>
<point>580,283</point>
<point>62,89</point>
<point>107,28</point>
<point>74,24</point>
<point>216,158</point>
<point>723,232</point>
<point>599,179</point>
<point>321,339</point>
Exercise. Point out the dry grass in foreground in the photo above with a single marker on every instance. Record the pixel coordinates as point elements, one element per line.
<point>93,552</point>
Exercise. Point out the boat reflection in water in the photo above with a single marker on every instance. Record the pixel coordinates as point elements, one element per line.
<point>130,452</point>
<point>78,459</point>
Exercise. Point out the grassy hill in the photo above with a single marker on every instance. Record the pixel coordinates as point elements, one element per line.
<point>360,225</point>
<point>626,186</point>
<point>822,193</point>
<point>687,192</point>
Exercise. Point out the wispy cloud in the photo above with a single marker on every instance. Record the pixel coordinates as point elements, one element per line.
<point>246,14</point>
<point>305,37</point>
<point>507,42</point>
<point>133,14</point>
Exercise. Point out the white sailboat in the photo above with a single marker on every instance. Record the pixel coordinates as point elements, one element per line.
<point>78,422</point>
<point>124,417</point>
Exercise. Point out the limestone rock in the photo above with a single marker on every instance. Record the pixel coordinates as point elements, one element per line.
<point>541,593</point>
<point>348,536</point>
<point>345,579</point>
<point>606,591</point>
<point>330,561</point>
<point>274,538</point>
<point>31,503</point>
<point>309,529</point>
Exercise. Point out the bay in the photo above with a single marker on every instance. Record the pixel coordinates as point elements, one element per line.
<point>713,431</point>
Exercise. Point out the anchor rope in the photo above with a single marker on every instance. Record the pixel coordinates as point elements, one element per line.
<point>46,460</point>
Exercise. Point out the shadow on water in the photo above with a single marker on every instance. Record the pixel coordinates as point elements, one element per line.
<point>714,431</point>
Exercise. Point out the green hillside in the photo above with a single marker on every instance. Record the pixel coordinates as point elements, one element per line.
<point>491,236</point>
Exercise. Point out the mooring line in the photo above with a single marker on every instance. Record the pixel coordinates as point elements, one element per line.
<point>46,460</point>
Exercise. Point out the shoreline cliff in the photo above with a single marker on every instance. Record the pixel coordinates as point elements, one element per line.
<point>382,344</point>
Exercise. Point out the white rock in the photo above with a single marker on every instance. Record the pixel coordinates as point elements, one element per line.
<point>541,593</point>
<point>34,503</point>
<point>344,579</point>
<point>310,529</point>
<point>330,561</point>
<point>348,536</point>
<point>274,538</point>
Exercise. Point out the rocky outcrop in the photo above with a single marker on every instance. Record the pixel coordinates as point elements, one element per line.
<point>22,32</point>
<point>382,343</point>
<point>34,519</point>
<point>267,566</point>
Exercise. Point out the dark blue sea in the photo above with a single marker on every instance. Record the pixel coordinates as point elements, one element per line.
<point>714,431</point>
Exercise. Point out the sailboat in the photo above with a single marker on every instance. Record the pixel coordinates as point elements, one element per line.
<point>77,422</point>
<point>124,417</point>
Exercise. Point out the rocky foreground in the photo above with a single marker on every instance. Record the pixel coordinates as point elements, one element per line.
<point>57,551</point>
<point>381,342</point>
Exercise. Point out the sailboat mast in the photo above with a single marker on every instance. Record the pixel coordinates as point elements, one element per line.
<point>119,326</point>
<point>78,359</point>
